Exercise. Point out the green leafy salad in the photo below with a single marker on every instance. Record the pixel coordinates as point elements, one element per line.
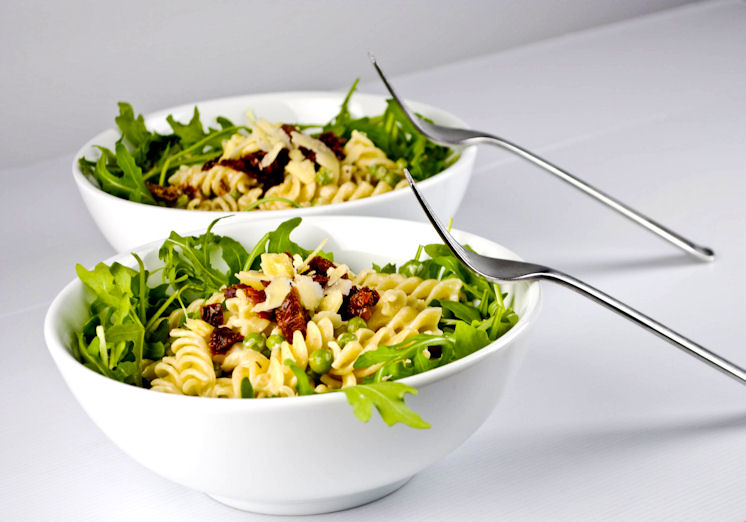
<point>276,319</point>
<point>264,165</point>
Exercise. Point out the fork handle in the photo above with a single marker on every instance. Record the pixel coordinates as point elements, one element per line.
<point>698,251</point>
<point>678,340</point>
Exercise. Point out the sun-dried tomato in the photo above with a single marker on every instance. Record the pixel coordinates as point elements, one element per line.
<point>252,294</point>
<point>210,164</point>
<point>170,193</point>
<point>320,279</point>
<point>250,164</point>
<point>291,315</point>
<point>288,129</point>
<point>191,192</point>
<point>334,142</point>
<point>321,267</point>
<point>230,291</point>
<point>359,303</point>
<point>308,153</point>
<point>213,314</point>
<point>222,338</point>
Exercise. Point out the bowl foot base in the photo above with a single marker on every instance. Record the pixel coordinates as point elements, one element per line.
<point>311,507</point>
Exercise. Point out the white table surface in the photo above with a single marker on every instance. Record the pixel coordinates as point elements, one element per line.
<point>604,421</point>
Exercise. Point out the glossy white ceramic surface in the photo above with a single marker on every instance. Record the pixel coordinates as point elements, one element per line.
<point>304,454</point>
<point>126,224</point>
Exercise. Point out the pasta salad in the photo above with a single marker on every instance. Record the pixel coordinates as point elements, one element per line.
<point>263,165</point>
<point>279,320</point>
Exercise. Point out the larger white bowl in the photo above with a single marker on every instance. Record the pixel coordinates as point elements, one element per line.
<point>126,224</point>
<point>306,454</point>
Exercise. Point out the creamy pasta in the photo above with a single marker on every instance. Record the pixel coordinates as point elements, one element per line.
<point>277,166</point>
<point>310,312</point>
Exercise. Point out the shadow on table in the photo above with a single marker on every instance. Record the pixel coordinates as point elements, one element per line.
<point>520,471</point>
<point>578,266</point>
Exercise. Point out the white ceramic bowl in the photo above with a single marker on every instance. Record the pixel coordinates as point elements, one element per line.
<point>297,455</point>
<point>126,224</point>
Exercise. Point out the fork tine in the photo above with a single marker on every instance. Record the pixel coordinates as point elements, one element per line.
<point>413,119</point>
<point>493,269</point>
<point>455,246</point>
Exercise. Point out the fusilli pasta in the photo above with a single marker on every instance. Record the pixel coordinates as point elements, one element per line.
<point>318,299</point>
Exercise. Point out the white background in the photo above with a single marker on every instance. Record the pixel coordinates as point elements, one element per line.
<point>65,64</point>
<point>604,421</point>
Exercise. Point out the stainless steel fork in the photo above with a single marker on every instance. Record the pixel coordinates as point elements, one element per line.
<point>498,270</point>
<point>450,136</point>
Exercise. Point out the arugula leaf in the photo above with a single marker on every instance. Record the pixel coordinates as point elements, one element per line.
<point>341,121</point>
<point>388,398</point>
<point>188,261</point>
<point>395,135</point>
<point>234,255</point>
<point>139,193</point>
<point>462,311</point>
<point>304,385</point>
<point>133,128</point>
<point>247,391</point>
<point>388,268</point>
<point>279,240</point>
<point>468,339</point>
<point>118,335</point>
<point>189,133</point>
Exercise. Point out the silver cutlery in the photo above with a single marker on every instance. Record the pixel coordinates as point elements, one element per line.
<point>499,270</point>
<point>450,136</point>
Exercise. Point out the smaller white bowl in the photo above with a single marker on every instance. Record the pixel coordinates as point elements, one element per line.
<point>297,455</point>
<point>127,224</point>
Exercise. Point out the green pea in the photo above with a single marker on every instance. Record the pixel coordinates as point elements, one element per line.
<point>354,324</point>
<point>275,340</point>
<point>320,361</point>
<point>401,163</point>
<point>235,194</point>
<point>255,341</point>
<point>324,176</point>
<point>392,178</point>
<point>345,338</point>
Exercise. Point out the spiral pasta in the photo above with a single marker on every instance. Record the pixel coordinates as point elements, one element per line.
<point>189,370</point>
<point>278,167</point>
<point>318,299</point>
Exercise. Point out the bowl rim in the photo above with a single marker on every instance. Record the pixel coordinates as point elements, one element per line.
<point>466,156</point>
<point>63,355</point>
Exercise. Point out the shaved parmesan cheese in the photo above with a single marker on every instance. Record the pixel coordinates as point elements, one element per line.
<point>277,265</point>
<point>336,273</point>
<point>342,285</point>
<point>310,292</point>
<point>270,157</point>
<point>298,263</point>
<point>253,278</point>
<point>300,268</point>
<point>276,292</point>
<point>324,155</point>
